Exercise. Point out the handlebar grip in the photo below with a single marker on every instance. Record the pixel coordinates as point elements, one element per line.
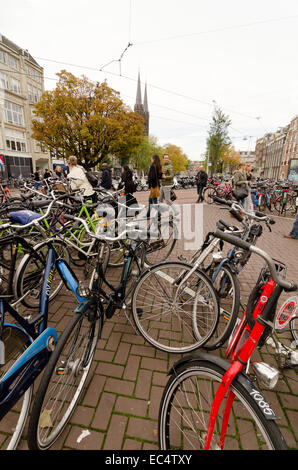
<point>236,215</point>
<point>68,217</point>
<point>221,201</point>
<point>231,239</point>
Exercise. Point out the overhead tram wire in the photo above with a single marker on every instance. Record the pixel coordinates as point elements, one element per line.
<point>217,30</point>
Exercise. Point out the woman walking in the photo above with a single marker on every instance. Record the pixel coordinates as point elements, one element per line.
<point>129,185</point>
<point>154,175</point>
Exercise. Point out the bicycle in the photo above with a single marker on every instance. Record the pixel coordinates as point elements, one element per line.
<point>58,392</point>
<point>27,344</point>
<point>209,402</point>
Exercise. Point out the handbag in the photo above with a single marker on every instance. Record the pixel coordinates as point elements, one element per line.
<point>155,192</point>
<point>240,194</point>
<point>173,196</point>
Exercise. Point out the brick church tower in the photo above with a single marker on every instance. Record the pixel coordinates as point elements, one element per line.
<point>141,107</point>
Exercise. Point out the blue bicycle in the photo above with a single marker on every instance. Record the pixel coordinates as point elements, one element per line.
<point>26,343</point>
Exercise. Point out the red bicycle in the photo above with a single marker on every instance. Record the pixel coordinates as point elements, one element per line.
<point>212,403</point>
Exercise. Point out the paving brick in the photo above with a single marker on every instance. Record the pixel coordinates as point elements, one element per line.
<point>94,390</point>
<point>110,370</point>
<point>122,353</point>
<point>131,368</point>
<point>154,364</point>
<point>131,406</point>
<point>92,441</point>
<point>120,387</point>
<point>103,411</point>
<point>143,384</point>
<point>114,438</point>
<point>142,429</point>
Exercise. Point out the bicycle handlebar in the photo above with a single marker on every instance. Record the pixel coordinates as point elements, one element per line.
<point>100,237</point>
<point>286,285</point>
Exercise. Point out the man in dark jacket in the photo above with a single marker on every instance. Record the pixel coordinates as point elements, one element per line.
<point>106,177</point>
<point>202,179</point>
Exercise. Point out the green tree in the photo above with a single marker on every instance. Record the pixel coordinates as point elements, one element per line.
<point>178,158</point>
<point>218,139</point>
<point>141,159</point>
<point>86,120</point>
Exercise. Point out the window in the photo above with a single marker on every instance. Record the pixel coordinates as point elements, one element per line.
<point>12,62</point>
<point>2,56</point>
<point>16,140</point>
<point>32,73</point>
<point>4,80</point>
<point>34,94</point>
<point>13,113</point>
<point>16,85</point>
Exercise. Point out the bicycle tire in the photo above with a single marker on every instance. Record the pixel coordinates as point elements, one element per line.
<point>13,423</point>
<point>29,275</point>
<point>208,193</point>
<point>159,255</point>
<point>163,312</point>
<point>64,368</point>
<point>229,304</point>
<point>187,399</point>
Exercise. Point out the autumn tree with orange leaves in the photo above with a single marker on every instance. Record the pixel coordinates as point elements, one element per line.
<point>87,120</point>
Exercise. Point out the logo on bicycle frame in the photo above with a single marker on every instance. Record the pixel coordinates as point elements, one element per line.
<point>286,313</point>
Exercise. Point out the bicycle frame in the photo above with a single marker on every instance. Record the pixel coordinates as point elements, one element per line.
<point>241,348</point>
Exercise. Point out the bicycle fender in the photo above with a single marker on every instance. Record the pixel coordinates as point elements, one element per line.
<point>243,379</point>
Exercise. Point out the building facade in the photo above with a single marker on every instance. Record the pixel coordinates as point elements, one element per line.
<point>141,107</point>
<point>247,157</point>
<point>274,153</point>
<point>21,86</point>
<point>289,164</point>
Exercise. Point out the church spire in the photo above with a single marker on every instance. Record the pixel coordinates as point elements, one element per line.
<point>146,110</point>
<point>139,93</point>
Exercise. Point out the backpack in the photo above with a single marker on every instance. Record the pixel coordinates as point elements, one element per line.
<point>92,179</point>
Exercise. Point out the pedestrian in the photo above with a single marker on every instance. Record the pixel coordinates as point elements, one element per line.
<point>240,183</point>
<point>294,232</point>
<point>59,172</point>
<point>47,174</point>
<point>37,178</point>
<point>127,179</point>
<point>154,176</point>
<point>201,180</point>
<point>78,180</point>
<point>167,180</point>
<point>106,177</point>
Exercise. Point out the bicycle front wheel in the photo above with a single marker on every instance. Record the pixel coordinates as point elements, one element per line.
<point>174,315</point>
<point>63,381</point>
<point>186,407</point>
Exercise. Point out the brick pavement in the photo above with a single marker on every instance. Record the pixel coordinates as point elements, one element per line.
<point>119,407</point>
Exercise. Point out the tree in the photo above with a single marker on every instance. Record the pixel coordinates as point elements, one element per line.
<point>178,158</point>
<point>218,139</point>
<point>141,159</point>
<point>86,120</point>
<point>230,158</point>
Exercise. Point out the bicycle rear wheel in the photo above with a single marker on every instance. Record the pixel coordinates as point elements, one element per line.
<point>228,290</point>
<point>63,381</point>
<point>186,407</point>
<point>29,276</point>
<point>160,249</point>
<point>173,315</point>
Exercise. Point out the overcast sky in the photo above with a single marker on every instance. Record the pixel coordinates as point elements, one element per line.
<point>192,53</point>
